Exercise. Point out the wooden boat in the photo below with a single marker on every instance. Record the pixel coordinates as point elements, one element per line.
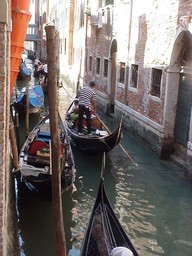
<point>36,100</point>
<point>104,231</point>
<point>35,159</point>
<point>101,139</point>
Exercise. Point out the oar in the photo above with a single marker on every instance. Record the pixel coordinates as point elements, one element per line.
<point>119,143</point>
<point>103,167</point>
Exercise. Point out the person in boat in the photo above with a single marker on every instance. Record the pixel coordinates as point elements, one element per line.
<point>45,73</point>
<point>121,251</point>
<point>100,239</point>
<point>37,63</point>
<point>73,113</point>
<point>87,106</point>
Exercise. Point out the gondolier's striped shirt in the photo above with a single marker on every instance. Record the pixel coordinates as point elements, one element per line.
<point>86,96</point>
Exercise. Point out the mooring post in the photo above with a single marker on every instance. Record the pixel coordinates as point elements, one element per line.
<point>27,109</point>
<point>13,144</point>
<point>55,139</point>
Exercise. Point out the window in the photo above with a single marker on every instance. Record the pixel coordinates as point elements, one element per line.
<point>90,63</point>
<point>156,82</point>
<point>108,2</point>
<point>105,70</point>
<point>65,46</point>
<point>122,72</point>
<point>134,75</point>
<point>98,66</point>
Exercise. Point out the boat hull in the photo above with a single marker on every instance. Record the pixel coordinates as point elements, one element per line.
<point>95,144</point>
<point>104,231</point>
<point>35,160</point>
<point>101,140</point>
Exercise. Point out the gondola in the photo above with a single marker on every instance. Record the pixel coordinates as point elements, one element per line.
<point>101,139</point>
<point>104,232</point>
<point>35,159</point>
<point>24,71</point>
<point>35,98</point>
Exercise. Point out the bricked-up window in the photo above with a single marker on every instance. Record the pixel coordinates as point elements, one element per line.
<point>90,63</point>
<point>122,72</point>
<point>156,82</point>
<point>134,75</point>
<point>98,66</point>
<point>105,70</point>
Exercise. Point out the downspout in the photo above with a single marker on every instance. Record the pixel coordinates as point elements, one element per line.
<point>128,49</point>
<point>85,57</point>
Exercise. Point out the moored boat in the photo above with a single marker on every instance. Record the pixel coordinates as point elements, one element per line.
<point>35,98</point>
<point>24,71</point>
<point>105,235</point>
<point>35,159</point>
<point>101,139</point>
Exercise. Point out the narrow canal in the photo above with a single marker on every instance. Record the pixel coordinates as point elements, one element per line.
<point>151,198</point>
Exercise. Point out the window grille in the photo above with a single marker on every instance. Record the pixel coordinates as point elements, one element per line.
<point>122,72</point>
<point>98,66</point>
<point>134,75</point>
<point>105,70</point>
<point>156,82</point>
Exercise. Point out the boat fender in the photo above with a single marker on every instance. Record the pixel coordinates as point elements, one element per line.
<point>121,251</point>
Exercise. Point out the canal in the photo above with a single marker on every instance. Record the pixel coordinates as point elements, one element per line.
<point>151,198</point>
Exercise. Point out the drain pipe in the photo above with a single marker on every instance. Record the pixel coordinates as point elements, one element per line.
<point>128,48</point>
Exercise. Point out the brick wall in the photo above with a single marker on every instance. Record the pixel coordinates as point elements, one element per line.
<point>3,134</point>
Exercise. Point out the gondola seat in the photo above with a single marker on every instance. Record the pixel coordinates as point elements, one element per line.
<point>37,145</point>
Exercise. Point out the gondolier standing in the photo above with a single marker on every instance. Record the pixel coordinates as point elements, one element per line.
<point>87,106</point>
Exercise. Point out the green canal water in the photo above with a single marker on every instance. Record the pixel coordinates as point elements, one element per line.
<point>151,198</point>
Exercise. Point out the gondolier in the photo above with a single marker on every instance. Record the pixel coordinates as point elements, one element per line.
<point>87,106</point>
<point>101,139</point>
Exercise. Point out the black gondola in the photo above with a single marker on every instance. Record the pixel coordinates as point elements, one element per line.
<point>104,231</point>
<point>101,139</point>
<point>35,159</point>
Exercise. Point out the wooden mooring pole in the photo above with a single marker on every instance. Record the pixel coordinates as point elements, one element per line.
<point>13,144</point>
<point>55,140</point>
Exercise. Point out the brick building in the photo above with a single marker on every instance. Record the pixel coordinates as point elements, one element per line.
<point>139,54</point>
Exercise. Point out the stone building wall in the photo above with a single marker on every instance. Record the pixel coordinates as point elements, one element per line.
<point>6,221</point>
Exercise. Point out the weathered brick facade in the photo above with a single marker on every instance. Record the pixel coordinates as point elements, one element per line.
<point>148,36</point>
<point>151,38</point>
